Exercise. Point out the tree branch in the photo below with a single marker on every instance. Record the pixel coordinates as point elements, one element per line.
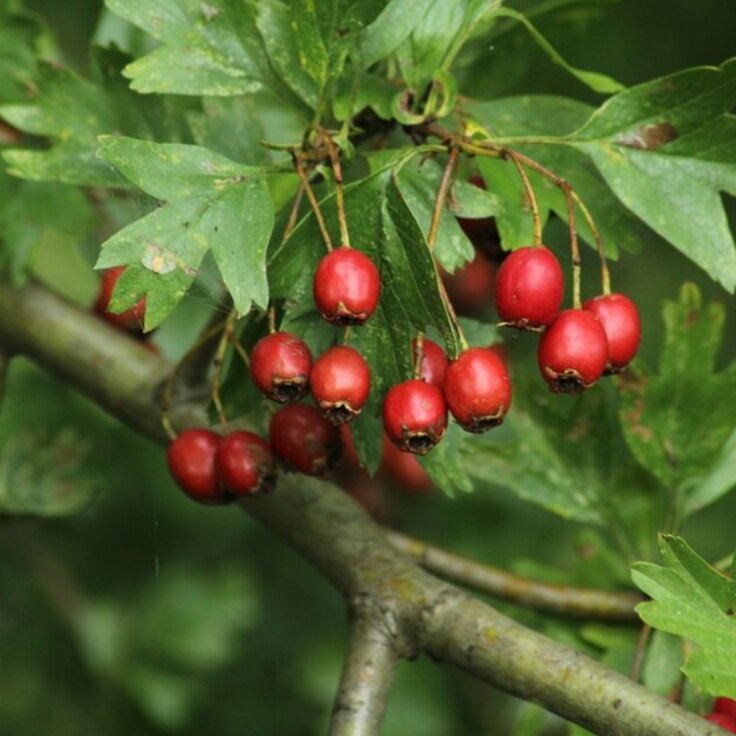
<point>337,536</point>
<point>579,602</point>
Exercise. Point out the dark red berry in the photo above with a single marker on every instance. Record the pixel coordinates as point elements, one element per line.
<point>722,720</point>
<point>471,287</point>
<point>434,362</point>
<point>131,319</point>
<point>415,416</point>
<point>573,351</point>
<point>304,439</point>
<point>478,389</point>
<point>340,383</point>
<point>280,364</point>
<point>620,319</point>
<point>191,459</point>
<point>403,469</point>
<point>346,287</point>
<point>244,464</point>
<point>529,288</point>
<point>727,706</point>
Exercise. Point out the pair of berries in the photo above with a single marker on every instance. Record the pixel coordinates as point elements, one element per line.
<point>214,470</point>
<point>579,345</point>
<point>475,388</point>
<point>724,714</point>
<point>282,369</point>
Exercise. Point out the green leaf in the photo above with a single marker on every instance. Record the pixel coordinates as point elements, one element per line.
<point>664,659</point>
<point>693,600</point>
<point>20,34</point>
<point>212,204</point>
<point>596,81</point>
<point>659,411</point>
<point>673,185</point>
<point>387,32</point>
<point>207,48</point>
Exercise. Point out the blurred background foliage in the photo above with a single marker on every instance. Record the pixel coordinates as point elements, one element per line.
<point>143,613</point>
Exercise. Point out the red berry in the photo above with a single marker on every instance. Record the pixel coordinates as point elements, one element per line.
<point>722,720</point>
<point>434,362</point>
<point>471,287</point>
<point>529,288</point>
<point>415,416</point>
<point>131,319</point>
<point>620,319</point>
<point>304,439</point>
<point>573,351</point>
<point>340,383</point>
<point>727,706</point>
<point>244,464</point>
<point>403,469</point>
<point>280,364</point>
<point>478,389</point>
<point>191,458</point>
<point>346,287</point>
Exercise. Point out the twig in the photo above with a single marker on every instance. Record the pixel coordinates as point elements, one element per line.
<point>641,648</point>
<point>418,354</point>
<point>588,217</point>
<point>293,213</point>
<point>531,198</point>
<point>219,359</point>
<point>577,602</point>
<point>299,167</point>
<point>339,199</point>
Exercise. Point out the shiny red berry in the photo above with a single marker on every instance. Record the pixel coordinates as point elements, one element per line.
<point>478,389</point>
<point>415,416</point>
<point>620,319</point>
<point>131,319</point>
<point>573,351</point>
<point>471,287</point>
<point>304,439</point>
<point>722,720</point>
<point>727,706</point>
<point>346,287</point>
<point>529,288</point>
<point>434,362</point>
<point>280,364</point>
<point>340,383</point>
<point>403,469</point>
<point>191,459</point>
<point>244,464</point>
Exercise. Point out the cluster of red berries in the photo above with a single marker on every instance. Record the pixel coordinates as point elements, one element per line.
<point>723,714</point>
<point>578,345</point>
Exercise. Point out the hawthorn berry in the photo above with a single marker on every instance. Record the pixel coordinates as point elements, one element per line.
<point>131,319</point>
<point>722,720</point>
<point>280,364</point>
<point>727,706</point>
<point>244,464</point>
<point>403,469</point>
<point>573,351</point>
<point>620,319</point>
<point>415,416</point>
<point>478,389</point>
<point>471,287</point>
<point>304,439</point>
<point>340,381</point>
<point>529,288</point>
<point>346,287</point>
<point>191,459</point>
<point>433,367</point>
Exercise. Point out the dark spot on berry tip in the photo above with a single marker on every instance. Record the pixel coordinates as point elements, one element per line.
<point>617,703</point>
<point>483,424</point>
<point>347,320</point>
<point>339,414</point>
<point>287,392</point>
<point>267,484</point>
<point>420,444</point>
<point>567,385</point>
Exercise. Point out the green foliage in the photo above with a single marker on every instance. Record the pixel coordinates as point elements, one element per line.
<point>693,600</point>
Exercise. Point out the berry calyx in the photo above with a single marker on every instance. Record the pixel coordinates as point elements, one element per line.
<point>415,416</point>
<point>340,383</point>
<point>434,363</point>
<point>478,389</point>
<point>529,288</point>
<point>131,319</point>
<point>403,470</point>
<point>346,287</point>
<point>191,459</point>
<point>620,319</point>
<point>471,287</point>
<point>280,364</point>
<point>304,439</point>
<point>573,352</point>
<point>244,464</point>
